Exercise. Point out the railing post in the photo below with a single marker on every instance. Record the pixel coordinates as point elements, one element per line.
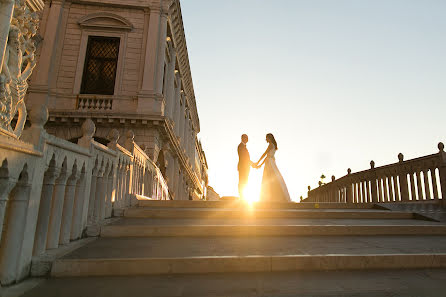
<point>402,176</point>
<point>442,169</point>
<point>373,178</point>
<point>349,188</point>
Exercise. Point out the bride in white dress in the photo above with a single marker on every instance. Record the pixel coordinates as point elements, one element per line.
<point>273,187</point>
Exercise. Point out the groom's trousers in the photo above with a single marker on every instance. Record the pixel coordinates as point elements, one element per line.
<point>243,175</point>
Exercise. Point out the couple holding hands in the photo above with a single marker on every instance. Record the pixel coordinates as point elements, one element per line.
<point>273,187</point>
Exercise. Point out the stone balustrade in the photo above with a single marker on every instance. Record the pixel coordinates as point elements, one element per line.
<point>51,190</point>
<point>94,102</point>
<point>418,180</point>
<point>149,182</point>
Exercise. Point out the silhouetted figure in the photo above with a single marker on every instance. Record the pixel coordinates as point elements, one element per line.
<point>244,165</point>
<point>273,188</point>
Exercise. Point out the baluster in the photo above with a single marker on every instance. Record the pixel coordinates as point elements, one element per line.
<point>395,188</point>
<point>390,187</point>
<point>386,193</point>
<point>355,193</point>
<point>57,208</point>
<point>92,197</point>
<point>380,191</point>
<point>412,186</point>
<point>68,205</point>
<point>79,198</point>
<point>349,196</point>
<point>105,197</point>
<point>434,183</point>
<point>100,193</point>
<point>364,197</point>
<point>427,189</point>
<point>419,185</point>
<point>108,199</point>
<point>6,185</point>
<point>118,196</point>
<point>14,229</point>
<point>367,191</point>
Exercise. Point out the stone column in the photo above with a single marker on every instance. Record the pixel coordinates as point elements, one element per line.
<point>43,219</point>
<point>182,117</point>
<point>6,11</point>
<point>153,73</point>
<point>14,231</point>
<point>76,225</point>
<point>47,60</point>
<point>170,170</point>
<point>68,205</point>
<point>176,177</point>
<point>177,104</point>
<point>57,208</point>
<point>185,133</point>
<point>170,81</point>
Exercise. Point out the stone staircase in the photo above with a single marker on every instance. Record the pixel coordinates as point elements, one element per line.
<point>202,237</point>
<point>192,238</point>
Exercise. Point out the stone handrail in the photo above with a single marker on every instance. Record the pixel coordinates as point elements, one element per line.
<point>417,180</point>
<point>150,182</point>
<point>52,191</point>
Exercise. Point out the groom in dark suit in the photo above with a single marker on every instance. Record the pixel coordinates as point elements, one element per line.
<point>244,165</point>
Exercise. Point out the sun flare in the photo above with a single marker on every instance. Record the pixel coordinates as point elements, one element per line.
<point>252,190</point>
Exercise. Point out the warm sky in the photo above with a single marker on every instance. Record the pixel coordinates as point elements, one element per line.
<point>338,82</point>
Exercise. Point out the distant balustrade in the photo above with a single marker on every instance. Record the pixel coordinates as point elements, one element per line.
<point>52,190</point>
<point>94,102</point>
<point>418,180</point>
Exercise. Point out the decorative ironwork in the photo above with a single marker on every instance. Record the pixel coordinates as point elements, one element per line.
<point>101,62</point>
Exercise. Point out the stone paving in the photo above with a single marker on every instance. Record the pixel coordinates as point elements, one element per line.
<point>375,283</point>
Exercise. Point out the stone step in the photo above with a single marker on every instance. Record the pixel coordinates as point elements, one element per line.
<point>167,255</point>
<point>269,230</point>
<point>253,221</point>
<point>227,213</point>
<point>349,283</point>
<point>257,205</point>
<point>148,266</point>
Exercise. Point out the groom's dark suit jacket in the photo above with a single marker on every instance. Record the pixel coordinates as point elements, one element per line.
<point>244,160</point>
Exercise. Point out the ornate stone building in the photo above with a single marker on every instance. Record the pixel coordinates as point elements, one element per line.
<point>125,65</point>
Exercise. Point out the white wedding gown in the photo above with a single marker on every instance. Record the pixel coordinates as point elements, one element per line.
<point>273,187</point>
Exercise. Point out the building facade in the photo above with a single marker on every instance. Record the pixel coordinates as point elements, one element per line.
<point>125,66</point>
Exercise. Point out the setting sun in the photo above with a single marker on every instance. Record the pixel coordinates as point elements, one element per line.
<point>252,190</point>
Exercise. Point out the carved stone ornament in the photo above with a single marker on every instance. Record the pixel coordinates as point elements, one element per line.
<point>18,64</point>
